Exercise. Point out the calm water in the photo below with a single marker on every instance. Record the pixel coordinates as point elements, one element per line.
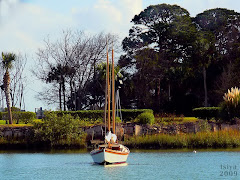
<point>141,165</point>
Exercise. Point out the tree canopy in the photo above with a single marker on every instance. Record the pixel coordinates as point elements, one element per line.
<point>170,50</point>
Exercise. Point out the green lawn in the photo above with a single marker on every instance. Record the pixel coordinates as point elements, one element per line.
<point>3,124</point>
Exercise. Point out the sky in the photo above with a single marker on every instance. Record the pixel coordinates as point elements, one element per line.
<point>24,24</point>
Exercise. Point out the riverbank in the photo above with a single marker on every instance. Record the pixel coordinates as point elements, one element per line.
<point>24,138</point>
<point>68,132</point>
<point>207,139</point>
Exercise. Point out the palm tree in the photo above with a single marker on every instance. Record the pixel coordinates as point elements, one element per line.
<point>7,59</point>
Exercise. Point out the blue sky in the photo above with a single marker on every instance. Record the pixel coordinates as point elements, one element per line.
<point>25,23</point>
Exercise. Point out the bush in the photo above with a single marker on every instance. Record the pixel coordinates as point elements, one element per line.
<point>131,114</point>
<point>56,130</point>
<point>230,107</point>
<point>20,117</point>
<point>0,115</point>
<point>207,112</point>
<point>95,115</point>
<point>118,120</point>
<point>12,108</point>
<point>83,114</point>
<point>145,118</point>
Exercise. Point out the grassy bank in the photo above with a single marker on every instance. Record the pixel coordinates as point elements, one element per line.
<point>3,124</point>
<point>174,120</point>
<point>220,139</point>
<point>67,131</point>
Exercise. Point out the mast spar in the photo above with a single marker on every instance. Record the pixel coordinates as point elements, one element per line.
<point>108,92</point>
<point>113,92</point>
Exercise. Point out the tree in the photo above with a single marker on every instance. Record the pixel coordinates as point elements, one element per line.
<point>163,35</point>
<point>224,25</point>
<point>1,90</point>
<point>18,82</point>
<point>68,65</point>
<point>94,95</point>
<point>59,74</point>
<point>164,28</point>
<point>150,66</point>
<point>7,59</point>
<point>203,55</point>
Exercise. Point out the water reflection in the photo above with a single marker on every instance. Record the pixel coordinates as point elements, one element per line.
<point>153,164</point>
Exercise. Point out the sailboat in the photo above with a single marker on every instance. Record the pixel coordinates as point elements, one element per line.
<point>111,152</point>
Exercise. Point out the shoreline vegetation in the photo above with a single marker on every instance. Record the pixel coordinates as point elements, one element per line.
<point>66,131</point>
<point>223,139</point>
<point>208,139</point>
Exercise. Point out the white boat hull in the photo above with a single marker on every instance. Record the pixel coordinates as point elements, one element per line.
<point>109,156</point>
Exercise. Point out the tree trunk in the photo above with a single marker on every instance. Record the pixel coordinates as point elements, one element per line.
<point>64,95</point>
<point>169,91</point>
<point>7,94</point>
<point>157,94</point>
<point>75,97</point>
<point>21,97</point>
<point>12,97</point>
<point>2,100</point>
<point>60,97</point>
<point>205,86</point>
<point>71,94</point>
<point>95,80</point>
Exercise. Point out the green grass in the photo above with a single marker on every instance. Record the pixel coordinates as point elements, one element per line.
<point>3,124</point>
<point>174,120</point>
<point>219,139</point>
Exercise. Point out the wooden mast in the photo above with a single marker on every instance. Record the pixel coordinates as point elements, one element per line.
<point>113,93</point>
<point>108,93</point>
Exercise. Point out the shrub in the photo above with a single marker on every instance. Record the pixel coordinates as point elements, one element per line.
<point>20,117</point>
<point>12,109</point>
<point>131,114</point>
<point>0,115</point>
<point>96,115</point>
<point>59,130</point>
<point>37,121</point>
<point>118,120</point>
<point>207,112</point>
<point>230,107</point>
<point>145,118</point>
<point>82,114</point>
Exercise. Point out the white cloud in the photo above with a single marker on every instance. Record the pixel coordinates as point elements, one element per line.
<point>106,10</point>
<point>110,16</point>
<point>132,7</point>
<point>198,6</point>
<point>28,27</point>
<point>24,31</point>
